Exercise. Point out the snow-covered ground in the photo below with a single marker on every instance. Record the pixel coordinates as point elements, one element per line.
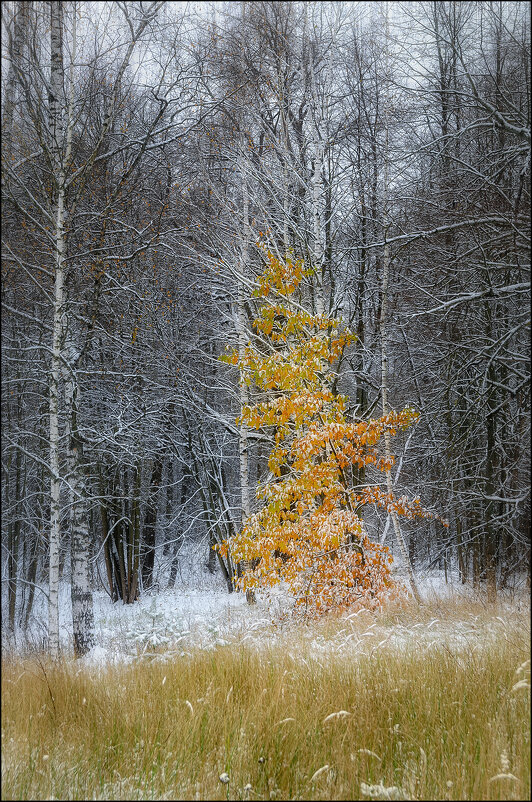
<point>200,613</point>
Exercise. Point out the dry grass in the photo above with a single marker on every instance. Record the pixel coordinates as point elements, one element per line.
<point>434,723</point>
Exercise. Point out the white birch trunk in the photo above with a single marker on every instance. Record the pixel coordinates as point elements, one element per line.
<point>317,214</point>
<point>20,27</point>
<point>55,488</point>
<point>286,206</point>
<point>243,446</point>
<point>383,324</point>
<point>387,437</point>
<point>318,200</point>
<point>286,176</point>
<point>242,341</point>
<point>56,126</point>
<point>80,589</point>
<point>82,612</point>
<point>243,443</point>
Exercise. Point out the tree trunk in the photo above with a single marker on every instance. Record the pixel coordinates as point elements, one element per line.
<point>318,240</point>
<point>134,540</point>
<point>32,576</point>
<point>120,540</point>
<point>179,495</point>
<point>383,324</point>
<point>107,543</point>
<point>56,126</point>
<point>13,547</point>
<point>476,555</point>
<point>81,593</point>
<point>490,543</point>
<point>387,437</point>
<point>243,443</point>
<point>461,553</point>
<point>150,523</point>
<point>14,67</point>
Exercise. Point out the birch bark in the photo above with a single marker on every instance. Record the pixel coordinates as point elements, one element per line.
<point>56,128</point>
<point>80,589</point>
<point>383,325</point>
<point>243,444</point>
<point>318,193</point>
<point>387,437</point>
<point>14,67</point>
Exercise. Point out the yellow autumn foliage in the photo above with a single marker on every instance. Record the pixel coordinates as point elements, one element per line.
<point>307,532</point>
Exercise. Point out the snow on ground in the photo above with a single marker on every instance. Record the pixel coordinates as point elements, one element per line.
<point>200,613</point>
<point>172,623</point>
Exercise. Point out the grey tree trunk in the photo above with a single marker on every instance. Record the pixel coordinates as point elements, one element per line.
<point>150,524</point>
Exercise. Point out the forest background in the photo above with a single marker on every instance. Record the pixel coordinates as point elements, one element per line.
<point>146,149</point>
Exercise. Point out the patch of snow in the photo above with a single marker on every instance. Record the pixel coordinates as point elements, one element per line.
<point>199,613</point>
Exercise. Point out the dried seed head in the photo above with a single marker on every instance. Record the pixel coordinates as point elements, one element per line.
<point>505,763</point>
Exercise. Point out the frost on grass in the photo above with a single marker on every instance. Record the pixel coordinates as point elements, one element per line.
<point>505,766</point>
<point>338,714</point>
<point>176,622</point>
<point>381,791</point>
<point>367,752</point>
<point>319,772</point>
<point>524,672</point>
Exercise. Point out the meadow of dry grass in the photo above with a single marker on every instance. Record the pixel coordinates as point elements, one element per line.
<point>416,720</point>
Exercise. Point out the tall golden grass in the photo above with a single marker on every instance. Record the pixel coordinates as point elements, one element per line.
<point>276,723</point>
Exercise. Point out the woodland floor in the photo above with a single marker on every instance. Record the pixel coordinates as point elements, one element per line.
<point>199,613</point>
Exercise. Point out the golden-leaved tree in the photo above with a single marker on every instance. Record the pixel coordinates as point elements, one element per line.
<point>307,532</point>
